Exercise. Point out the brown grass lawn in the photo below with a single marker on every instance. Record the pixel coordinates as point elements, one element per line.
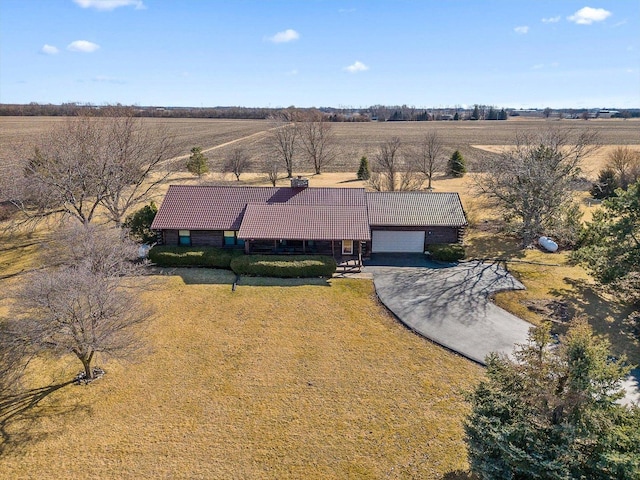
<point>297,380</point>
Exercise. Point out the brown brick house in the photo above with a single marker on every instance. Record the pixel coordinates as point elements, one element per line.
<point>343,222</point>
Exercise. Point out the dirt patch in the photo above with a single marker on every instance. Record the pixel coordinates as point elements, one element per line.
<point>556,311</point>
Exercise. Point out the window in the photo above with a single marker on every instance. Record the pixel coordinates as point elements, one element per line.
<point>231,239</point>
<point>184,238</point>
<point>347,247</point>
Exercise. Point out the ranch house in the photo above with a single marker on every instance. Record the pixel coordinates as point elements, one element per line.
<point>346,223</point>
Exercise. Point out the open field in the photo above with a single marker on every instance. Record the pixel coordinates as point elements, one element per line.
<point>354,139</point>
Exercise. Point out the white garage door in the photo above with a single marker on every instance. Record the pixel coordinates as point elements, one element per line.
<point>390,241</point>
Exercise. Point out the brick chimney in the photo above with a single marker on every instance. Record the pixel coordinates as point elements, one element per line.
<point>299,182</point>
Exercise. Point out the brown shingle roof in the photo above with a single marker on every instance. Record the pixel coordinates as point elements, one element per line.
<point>323,222</point>
<point>194,207</point>
<point>415,209</point>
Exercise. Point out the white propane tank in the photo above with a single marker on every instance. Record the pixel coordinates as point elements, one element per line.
<point>548,244</point>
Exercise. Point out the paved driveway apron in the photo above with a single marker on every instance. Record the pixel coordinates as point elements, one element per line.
<point>450,304</point>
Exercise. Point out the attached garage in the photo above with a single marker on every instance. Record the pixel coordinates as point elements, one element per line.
<point>389,241</point>
<point>410,221</point>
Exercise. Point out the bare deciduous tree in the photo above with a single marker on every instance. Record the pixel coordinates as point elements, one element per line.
<point>283,139</point>
<point>318,140</point>
<point>532,182</point>
<point>626,165</point>
<point>272,168</point>
<point>428,157</point>
<point>113,161</point>
<point>390,171</point>
<point>237,162</point>
<point>85,305</point>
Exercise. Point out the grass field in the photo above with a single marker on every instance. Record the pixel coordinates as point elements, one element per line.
<point>287,379</point>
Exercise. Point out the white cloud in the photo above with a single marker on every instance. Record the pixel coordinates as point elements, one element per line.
<point>107,5</point>
<point>83,46</point>
<point>288,35</point>
<point>49,49</point>
<point>588,15</point>
<point>346,10</point>
<point>521,29</point>
<point>292,72</point>
<point>538,66</point>
<point>356,67</point>
<point>551,19</point>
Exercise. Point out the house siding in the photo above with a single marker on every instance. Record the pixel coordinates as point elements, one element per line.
<point>199,238</point>
<point>433,235</point>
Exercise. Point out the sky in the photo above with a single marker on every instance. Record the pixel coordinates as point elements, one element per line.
<point>322,53</point>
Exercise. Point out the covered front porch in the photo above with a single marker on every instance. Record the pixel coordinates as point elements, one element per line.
<point>341,250</point>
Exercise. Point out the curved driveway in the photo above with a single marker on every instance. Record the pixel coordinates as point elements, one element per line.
<point>450,304</point>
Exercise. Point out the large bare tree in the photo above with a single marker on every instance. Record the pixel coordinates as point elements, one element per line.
<point>625,163</point>
<point>114,161</point>
<point>391,171</point>
<point>85,305</point>
<point>283,139</point>
<point>317,139</point>
<point>428,157</point>
<point>532,183</point>
<point>237,162</point>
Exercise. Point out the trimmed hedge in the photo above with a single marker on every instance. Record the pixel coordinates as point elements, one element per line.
<point>284,266</point>
<point>451,252</point>
<point>173,256</point>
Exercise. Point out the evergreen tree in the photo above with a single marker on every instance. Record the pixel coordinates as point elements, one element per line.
<point>610,247</point>
<point>476,113</point>
<point>456,165</point>
<point>139,224</point>
<point>502,115</point>
<point>198,163</point>
<point>606,184</point>
<point>552,412</point>
<point>456,117</point>
<point>363,171</point>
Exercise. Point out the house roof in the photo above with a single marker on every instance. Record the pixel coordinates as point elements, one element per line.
<point>413,209</point>
<point>196,207</point>
<point>317,222</point>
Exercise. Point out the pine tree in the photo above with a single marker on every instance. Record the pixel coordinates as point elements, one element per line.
<point>363,171</point>
<point>551,412</point>
<point>606,184</point>
<point>197,163</point>
<point>456,166</point>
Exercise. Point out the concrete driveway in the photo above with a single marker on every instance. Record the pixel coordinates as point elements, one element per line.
<point>450,304</point>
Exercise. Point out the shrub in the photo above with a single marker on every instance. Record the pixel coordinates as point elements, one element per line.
<point>139,224</point>
<point>171,256</point>
<point>606,185</point>
<point>447,253</point>
<point>284,266</point>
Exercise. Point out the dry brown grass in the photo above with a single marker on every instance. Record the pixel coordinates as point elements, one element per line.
<point>288,381</point>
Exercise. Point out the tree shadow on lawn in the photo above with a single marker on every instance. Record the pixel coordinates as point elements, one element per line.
<point>21,411</point>
<point>605,315</point>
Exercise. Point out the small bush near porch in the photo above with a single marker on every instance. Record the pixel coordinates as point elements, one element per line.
<point>172,256</point>
<point>284,266</point>
<point>447,252</point>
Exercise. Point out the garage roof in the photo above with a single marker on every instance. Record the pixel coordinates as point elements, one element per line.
<point>415,209</point>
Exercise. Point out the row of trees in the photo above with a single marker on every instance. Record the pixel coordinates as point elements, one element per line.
<point>396,167</point>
